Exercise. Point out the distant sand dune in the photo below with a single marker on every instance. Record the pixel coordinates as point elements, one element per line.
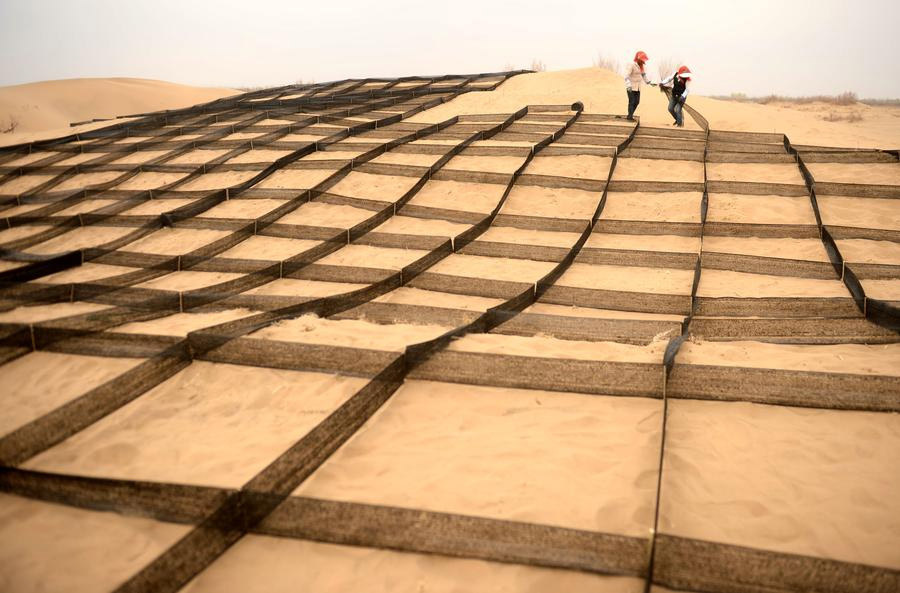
<point>45,109</point>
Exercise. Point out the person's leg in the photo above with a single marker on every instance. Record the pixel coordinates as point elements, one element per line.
<point>672,108</point>
<point>637,100</point>
<point>632,104</point>
<point>679,116</point>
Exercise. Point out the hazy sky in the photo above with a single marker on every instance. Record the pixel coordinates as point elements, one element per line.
<point>758,47</point>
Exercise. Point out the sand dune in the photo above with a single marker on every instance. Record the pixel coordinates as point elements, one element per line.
<point>45,109</point>
<point>601,92</point>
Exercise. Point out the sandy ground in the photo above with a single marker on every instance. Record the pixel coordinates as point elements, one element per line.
<point>213,424</point>
<point>23,183</point>
<point>173,241</point>
<point>652,206</point>
<point>667,243</point>
<point>885,290</point>
<point>408,225</point>
<point>546,347</point>
<point>188,280</point>
<point>385,188</point>
<point>431,298</point>
<point>633,169</point>
<point>725,283</point>
<point>45,109</point>
<point>581,166</point>
<point>533,200</point>
<point>492,268</point>
<point>139,157</point>
<point>755,172</point>
<point>260,564</point>
<point>181,324</point>
<point>776,478</point>
<point>493,164</point>
<point>760,209</point>
<point>153,207</point>
<point>217,180</point>
<point>295,179</point>
<point>246,209</point>
<point>457,195</point>
<point>870,252</point>
<point>258,156</point>
<point>84,206</point>
<point>349,333</point>
<point>367,256</point>
<point>86,272</point>
<point>80,238</point>
<point>109,550</point>
<point>37,313</point>
<point>601,92</point>
<point>40,155</point>
<point>504,453</point>
<point>143,181</point>
<point>326,215</point>
<point>302,288</point>
<point>268,248</point>
<point>877,173</point>
<point>198,157</point>
<point>833,358</point>
<point>805,249</point>
<point>871,213</point>
<point>40,382</point>
<point>628,279</point>
<point>21,232</point>
<point>575,311</point>
<point>402,158</point>
<point>508,234</point>
<point>85,180</point>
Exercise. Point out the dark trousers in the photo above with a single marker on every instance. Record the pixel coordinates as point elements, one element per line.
<point>634,98</point>
<point>675,106</point>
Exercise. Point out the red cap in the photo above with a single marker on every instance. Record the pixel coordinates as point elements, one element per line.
<point>684,72</point>
<point>640,57</point>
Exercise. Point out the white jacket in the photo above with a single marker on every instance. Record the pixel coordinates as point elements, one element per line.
<point>633,77</point>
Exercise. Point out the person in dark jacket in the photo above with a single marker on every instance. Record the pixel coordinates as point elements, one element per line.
<point>680,83</point>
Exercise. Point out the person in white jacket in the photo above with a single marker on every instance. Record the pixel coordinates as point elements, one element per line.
<point>681,86</point>
<point>634,75</point>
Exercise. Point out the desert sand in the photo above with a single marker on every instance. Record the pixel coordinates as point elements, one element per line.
<point>588,462</point>
<point>367,256</point>
<point>776,478</point>
<point>411,455</point>
<point>837,358</point>
<point>430,298</point>
<point>652,206</point>
<point>760,209</point>
<point>805,249</point>
<point>725,283</point>
<point>237,418</point>
<point>455,195</point>
<point>533,200</point>
<point>45,109</point>
<point>258,564</point>
<point>628,279</point>
<point>110,549</point>
<point>180,324</point>
<point>492,268</point>
<point>40,382</point>
<point>349,333</point>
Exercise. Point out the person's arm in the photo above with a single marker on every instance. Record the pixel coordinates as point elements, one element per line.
<point>667,80</point>
<point>646,78</point>
<point>687,89</point>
